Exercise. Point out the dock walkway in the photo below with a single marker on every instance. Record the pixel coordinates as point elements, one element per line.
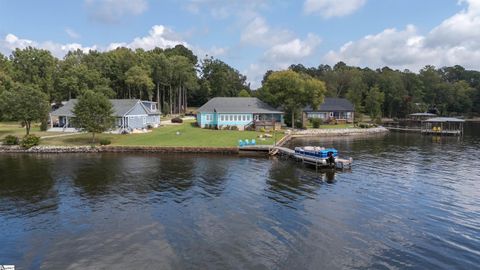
<point>340,163</point>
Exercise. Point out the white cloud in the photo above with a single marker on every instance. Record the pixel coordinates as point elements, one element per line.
<point>71,33</point>
<point>11,42</point>
<point>281,56</point>
<point>221,9</point>
<point>111,11</point>
<point>293,51</point>
<point>455,41</point>
<point>332,8</point>
<point>158,36</point>
<point>257,32</point>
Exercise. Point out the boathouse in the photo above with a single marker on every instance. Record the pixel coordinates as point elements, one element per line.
<point>239,112</point>
<point>130,114</point>
<point>443,126</point>
<point>340,110</point>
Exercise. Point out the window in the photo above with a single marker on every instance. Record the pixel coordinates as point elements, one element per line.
<point>248,117</point>
<point>244,117</point>
<point>231,117</point>
<point>208,117</point>
<point>235,118</point>
<point>144,120</point>
<point>221,117</point>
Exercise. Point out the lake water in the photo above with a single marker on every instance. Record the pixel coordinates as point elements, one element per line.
<point>410,202</point>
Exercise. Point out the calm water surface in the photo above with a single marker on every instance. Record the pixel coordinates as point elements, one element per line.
<point>410,202</point>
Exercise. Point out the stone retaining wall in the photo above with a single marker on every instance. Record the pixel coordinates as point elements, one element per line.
<point>339,132</point>
<point>117,149</point>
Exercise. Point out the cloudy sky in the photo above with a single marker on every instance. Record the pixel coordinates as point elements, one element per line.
<point>256,35</point>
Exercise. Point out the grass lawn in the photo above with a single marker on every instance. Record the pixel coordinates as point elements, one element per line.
<point>167,136</point>
<point>14,128</point>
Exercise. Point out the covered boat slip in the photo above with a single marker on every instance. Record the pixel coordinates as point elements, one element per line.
<point>443,126</point>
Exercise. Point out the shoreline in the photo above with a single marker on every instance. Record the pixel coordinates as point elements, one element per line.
<point>339,132</point>
<point>52,149</point>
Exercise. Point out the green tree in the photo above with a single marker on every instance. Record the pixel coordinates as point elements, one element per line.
<point>34,66</point>
<point>184,79</point>
<point>24,103</point>
<point>93,113</point>
<point>244,93</point>
<point>373,102</point>
<point>137,78</point>
<point>293,91</point>
<point>224,81</point>
<point>161,73</point>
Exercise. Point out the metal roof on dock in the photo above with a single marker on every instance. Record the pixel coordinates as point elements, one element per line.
<point>444,119</point>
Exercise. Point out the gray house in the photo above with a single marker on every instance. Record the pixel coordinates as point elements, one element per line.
<point>338,109</point>
<point>129,114</point>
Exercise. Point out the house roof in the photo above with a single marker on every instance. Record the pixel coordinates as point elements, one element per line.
<point>120,107</point>
<point>444,119</point>
<point>237,105</point>
<point>333,105</point>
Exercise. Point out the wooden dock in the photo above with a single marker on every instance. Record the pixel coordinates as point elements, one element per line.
<point>404,129</point>
<point>340,163</point>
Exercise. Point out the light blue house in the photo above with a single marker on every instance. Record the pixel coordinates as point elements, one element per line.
<point>241,112</point>
<point>129,114</point>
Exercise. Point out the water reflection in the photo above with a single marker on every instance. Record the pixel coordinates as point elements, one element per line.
<point>26,187</point>
<point>409,202</point>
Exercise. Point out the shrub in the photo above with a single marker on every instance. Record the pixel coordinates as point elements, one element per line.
<point>262,129</point>
<point>149,126</point>
<point>366,125</point>
<point>30,140</point>
<point>234,128</point>
<point>227,127</point>
<point>177,120</point>
<point>10,140</point>
<point>316,122</point>
<point>105,141</point>
<point>44,125</point>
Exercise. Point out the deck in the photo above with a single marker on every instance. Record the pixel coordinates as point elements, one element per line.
<point>340,163</point>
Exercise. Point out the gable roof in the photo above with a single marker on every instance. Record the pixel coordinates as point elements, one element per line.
<point>120,107</point>
<point>237,105</point>
<point>333,105</point>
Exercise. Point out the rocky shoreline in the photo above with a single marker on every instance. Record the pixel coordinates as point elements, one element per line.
<point>47,149</point>
<point>116,149</point>
<point>339,132</point>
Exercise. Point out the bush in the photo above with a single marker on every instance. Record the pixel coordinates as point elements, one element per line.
<point>10,140</point>
<point>366,125</point>
<point>227,127</point>
<point>262,129</point>
<point>44,125</point>
<point>316,122</point>
<point>105,141</point>
<point>233,128</point>
<point>149,126</point>
<point>177,120</point>
<point>30,140</point>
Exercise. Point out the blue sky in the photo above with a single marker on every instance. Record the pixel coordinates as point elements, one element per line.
<point>256,35</point>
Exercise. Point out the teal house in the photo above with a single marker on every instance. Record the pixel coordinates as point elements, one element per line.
<point>241,112</point>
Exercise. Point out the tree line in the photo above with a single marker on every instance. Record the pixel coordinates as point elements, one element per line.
<point>176,78</point>
<point>394,93</point>
<point>173,77</point>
